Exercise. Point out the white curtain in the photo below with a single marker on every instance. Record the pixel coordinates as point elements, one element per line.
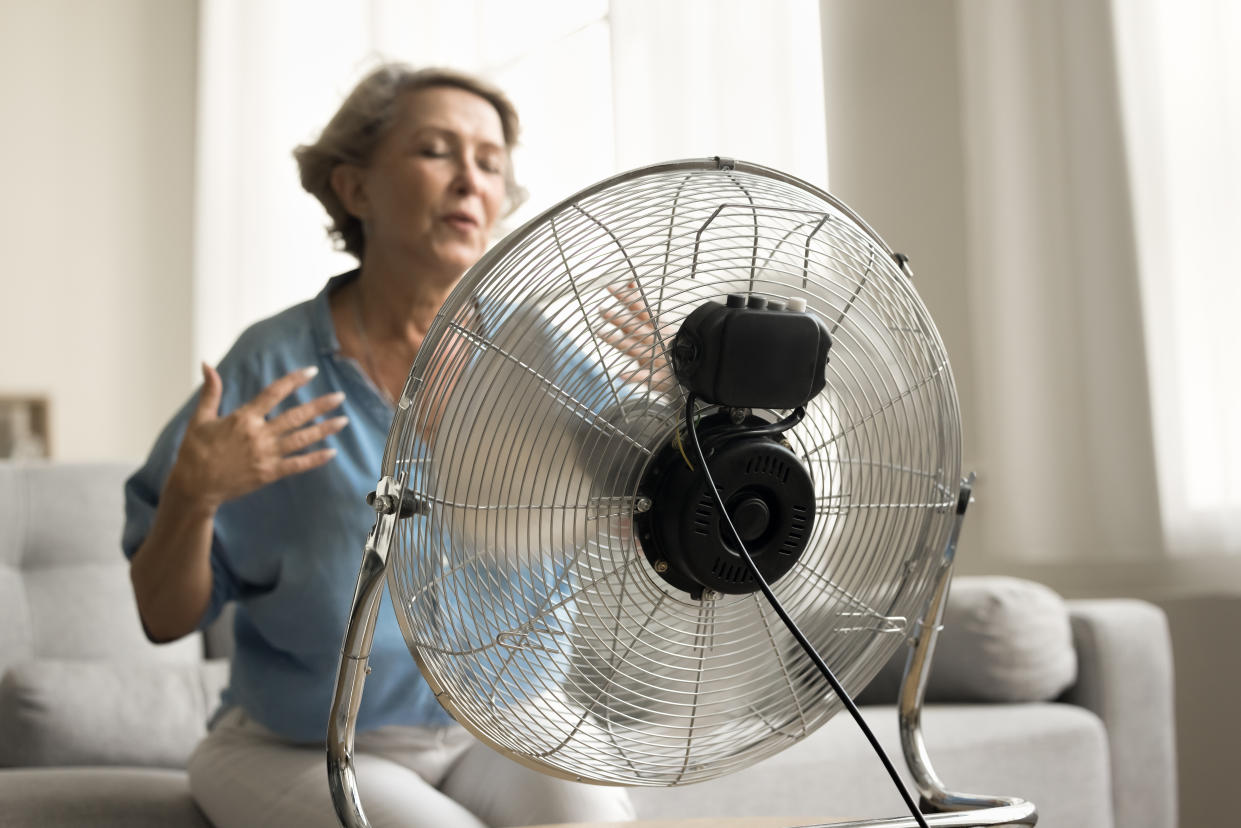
<point>1180,72</point>
<point>737,78</point>
<point>601,87</point>
<point>1063,429</point>
<point>1065,175</point>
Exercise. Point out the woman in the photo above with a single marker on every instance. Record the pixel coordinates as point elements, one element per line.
<point>253,492</point>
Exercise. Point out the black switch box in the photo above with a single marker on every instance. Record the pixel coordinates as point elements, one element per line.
<point>747,355</point>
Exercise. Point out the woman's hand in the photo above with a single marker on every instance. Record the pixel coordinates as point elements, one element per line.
<point>633,334</point>
<point>226,457</point>
<point>220,458</point>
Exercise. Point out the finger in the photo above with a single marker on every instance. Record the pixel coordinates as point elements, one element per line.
<point>301,414</point>
<point>208,407</point>
<point>639,348</point>
<point>303,437</point>
<point>300,463</point>
<point>630,295</point>
<point>628,319</point>
<point>629,324</point>
<point>270,397</point>
<point>631,298</point>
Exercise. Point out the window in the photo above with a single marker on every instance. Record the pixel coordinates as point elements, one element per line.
<point>1180,80</point>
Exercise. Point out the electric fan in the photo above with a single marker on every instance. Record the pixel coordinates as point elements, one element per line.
<point>581,549</point>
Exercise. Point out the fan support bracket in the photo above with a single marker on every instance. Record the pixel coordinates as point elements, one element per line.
<point>355,653</point>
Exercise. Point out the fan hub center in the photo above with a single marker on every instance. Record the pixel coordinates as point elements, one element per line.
<point>750,518</point>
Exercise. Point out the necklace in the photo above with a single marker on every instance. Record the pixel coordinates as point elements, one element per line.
<point>368,359</point>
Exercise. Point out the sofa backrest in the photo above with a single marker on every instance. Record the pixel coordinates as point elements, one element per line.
<point>64,584</point>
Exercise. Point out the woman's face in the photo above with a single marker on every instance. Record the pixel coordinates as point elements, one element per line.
<point>435,185</point>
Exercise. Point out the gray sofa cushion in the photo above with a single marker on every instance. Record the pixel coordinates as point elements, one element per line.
<point>98,797</point>
<point>1004,640</point>
<point>56,712</point>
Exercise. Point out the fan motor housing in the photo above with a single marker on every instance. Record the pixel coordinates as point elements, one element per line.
<point>770,499</point>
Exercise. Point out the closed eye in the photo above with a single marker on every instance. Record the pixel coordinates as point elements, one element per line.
<point>493,164</point>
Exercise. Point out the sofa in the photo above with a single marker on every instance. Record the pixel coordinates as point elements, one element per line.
<point>1068,704</point>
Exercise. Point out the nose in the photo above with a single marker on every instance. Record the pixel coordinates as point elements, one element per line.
<point>466,181</point>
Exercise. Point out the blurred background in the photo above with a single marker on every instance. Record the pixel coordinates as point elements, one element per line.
<point>1063,175</point>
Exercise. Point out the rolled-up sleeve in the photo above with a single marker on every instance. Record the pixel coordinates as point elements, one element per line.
<point>142,493</point>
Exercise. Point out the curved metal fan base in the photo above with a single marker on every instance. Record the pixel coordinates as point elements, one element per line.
<point>1015,812</point>
<point>948,809</point>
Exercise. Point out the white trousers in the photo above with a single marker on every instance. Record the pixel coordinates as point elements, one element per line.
<point>243,775</point>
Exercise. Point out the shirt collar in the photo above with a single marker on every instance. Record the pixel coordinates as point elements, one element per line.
<point>323,330</point>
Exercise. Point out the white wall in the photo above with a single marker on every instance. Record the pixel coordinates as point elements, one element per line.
<point>98,140</point>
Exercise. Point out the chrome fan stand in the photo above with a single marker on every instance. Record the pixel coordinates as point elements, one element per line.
<point>354,654</point>
<point>947,808</point>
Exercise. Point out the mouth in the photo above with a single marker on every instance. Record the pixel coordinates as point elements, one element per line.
<point>461,221</point>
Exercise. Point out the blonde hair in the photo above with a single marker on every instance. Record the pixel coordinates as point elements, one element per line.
<point>363,121</point>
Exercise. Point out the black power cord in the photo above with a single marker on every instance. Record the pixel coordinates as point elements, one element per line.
<point>726,433</point>
<point>692,429</point>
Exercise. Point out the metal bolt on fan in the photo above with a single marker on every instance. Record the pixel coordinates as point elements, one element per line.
<point>562,576</point>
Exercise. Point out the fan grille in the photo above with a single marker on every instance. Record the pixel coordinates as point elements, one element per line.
<point>523,593</point>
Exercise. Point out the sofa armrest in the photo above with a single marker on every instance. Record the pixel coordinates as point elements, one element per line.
<point>1124,675</point>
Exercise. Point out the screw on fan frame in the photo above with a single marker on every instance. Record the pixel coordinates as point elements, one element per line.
<point>852,313</point>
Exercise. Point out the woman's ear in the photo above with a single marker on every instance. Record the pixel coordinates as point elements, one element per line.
<point>348,182</point>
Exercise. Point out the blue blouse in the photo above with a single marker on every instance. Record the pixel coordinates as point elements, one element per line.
<point>288,553</point>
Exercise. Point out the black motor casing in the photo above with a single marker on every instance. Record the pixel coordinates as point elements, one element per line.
<point>770,497</point>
